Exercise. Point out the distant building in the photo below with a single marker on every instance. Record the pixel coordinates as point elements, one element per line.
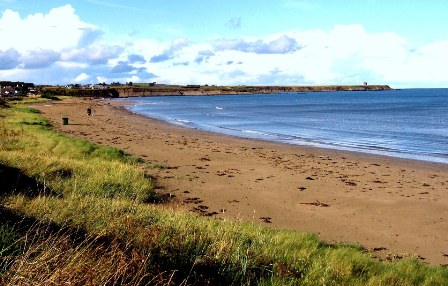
<point>14,88</point>
<point>365,83</point>
<point>97,86</point>
<point>7,91</point>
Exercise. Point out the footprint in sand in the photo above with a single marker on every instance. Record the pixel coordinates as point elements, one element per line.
<point>202,210</point>
<point>266,219</point>
<point>193,201</point>
<point>350,183</point>
<point>317,204</point>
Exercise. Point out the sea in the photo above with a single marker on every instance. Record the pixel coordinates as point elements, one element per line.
<point>405,123</point>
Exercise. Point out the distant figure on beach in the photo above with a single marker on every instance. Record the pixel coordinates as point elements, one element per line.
<point>89,111</point>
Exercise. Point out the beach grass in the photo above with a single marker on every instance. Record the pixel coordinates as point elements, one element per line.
<point>75,212</point>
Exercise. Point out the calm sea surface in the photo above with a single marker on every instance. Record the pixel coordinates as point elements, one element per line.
<point>409,123</point>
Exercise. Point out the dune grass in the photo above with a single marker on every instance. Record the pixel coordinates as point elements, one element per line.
<point>67,166</point>
<point>77,212</point>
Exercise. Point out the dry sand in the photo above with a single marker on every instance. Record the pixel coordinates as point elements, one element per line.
<point>394,207</point>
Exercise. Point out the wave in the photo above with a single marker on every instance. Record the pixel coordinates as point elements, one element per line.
<point>354,146</point>
<point>181,122</point>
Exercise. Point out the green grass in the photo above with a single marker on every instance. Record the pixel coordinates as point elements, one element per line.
<point>69,167</point>
<point>91,223</point>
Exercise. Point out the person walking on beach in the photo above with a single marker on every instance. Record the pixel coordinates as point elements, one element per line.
<point>89,111</point>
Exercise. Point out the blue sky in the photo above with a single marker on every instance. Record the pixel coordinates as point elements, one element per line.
<point>233,42</point>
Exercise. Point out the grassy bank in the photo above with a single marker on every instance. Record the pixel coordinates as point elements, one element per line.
<point>80,213</point>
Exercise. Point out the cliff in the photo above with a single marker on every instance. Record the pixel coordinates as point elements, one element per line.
<point>166,90</point>
<point>176,90</point>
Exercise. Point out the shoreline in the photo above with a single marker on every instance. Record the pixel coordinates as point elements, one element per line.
<point>147,90</point>
<point>390,205</point>
<point>407,154</point>
<point>311,148</point>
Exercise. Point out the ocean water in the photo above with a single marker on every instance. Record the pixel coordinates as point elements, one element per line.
<point>408,123</point>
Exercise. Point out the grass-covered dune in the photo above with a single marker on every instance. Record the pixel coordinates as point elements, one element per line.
<point>77,213</point>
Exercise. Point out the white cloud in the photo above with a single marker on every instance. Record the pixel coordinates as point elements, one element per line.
<point>133,78</point>
<point>57,44</point>
<point>102,79</point>
<point>98,54</point>
<point>346,54</point>
<point>59,47</point>
<point>59,29</point>
<point>426,64</point>
<point>9,59</point>
<point>38,58</point>
<point>281,45</point>
<point>170,52</point>
<point>82,77</point>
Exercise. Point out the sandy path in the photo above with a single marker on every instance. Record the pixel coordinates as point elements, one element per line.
<point>394,206</point>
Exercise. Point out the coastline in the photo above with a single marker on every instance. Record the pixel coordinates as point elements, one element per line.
<point>394,142</point>
<point>145,90</point>
<point>390,205</point>
<point>175,90</point>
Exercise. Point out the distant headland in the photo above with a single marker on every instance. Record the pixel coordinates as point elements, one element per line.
<point>116,90</point>
<point>164,90</point>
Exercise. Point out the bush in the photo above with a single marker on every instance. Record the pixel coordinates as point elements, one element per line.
<point>48,95</point>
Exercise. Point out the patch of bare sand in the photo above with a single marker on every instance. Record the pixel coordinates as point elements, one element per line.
<point>391,206</point>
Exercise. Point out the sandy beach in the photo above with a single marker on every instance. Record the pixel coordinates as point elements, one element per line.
<point>393,207</point>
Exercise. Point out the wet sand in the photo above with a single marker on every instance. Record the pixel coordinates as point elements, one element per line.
<point>393,207</point>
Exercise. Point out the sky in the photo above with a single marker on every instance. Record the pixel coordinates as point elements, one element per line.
<point>403,43</point>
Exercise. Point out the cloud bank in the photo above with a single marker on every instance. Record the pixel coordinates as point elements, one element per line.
<point>58,47</point>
